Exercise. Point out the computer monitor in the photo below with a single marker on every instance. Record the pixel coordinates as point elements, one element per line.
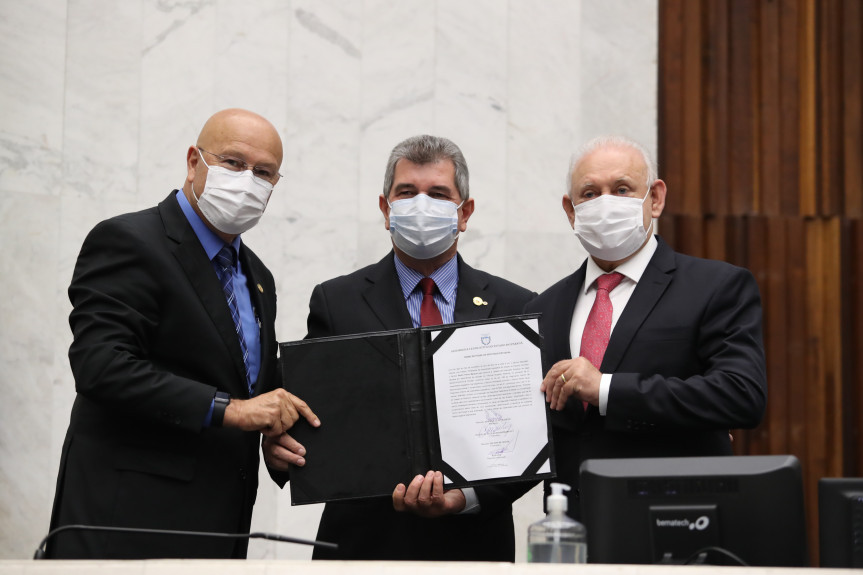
<point>840,521</point>
<point>728,510</point>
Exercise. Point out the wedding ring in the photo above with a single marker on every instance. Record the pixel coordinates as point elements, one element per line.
<point>563,377</point>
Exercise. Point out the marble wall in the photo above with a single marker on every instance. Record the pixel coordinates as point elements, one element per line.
<point>100,99</point>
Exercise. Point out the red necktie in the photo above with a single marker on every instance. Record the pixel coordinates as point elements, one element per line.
<point>597,330</point>
<point>429,313</point>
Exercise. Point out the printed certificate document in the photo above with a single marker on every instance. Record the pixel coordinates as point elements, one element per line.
<point>461,398</point>
<point>490,412</point>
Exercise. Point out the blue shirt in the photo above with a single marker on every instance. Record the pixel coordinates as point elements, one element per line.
<point>446,279</point>
<point>212,244</point>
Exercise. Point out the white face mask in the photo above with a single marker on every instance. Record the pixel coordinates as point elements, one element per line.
<point>611,228</point>
<point>423,227</point>
<point>233,202</point>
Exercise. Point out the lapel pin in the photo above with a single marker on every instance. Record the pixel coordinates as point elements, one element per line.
<point>260,288</point>
<point>479,301</point>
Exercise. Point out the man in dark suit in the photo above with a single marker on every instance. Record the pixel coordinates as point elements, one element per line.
<point>425,205</point>
<point>684,361</point>
<point>174,358</point>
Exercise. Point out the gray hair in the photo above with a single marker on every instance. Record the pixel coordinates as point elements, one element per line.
<point>611,142</point>
<point>427,149</point>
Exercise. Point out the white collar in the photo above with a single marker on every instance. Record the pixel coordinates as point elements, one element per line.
<point>633,268</point>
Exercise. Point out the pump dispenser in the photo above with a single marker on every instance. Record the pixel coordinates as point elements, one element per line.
<point>557,538</point>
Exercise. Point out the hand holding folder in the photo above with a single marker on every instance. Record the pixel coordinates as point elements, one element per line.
<point>425,496</point>
<point>462,398</point>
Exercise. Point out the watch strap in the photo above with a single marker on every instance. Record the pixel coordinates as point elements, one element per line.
<point>220,403</point>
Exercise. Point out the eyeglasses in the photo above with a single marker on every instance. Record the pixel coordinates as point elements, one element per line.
<point>238,165</point>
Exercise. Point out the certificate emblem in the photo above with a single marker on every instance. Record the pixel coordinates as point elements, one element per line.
<point>486,339</point>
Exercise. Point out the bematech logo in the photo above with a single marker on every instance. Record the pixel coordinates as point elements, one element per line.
<point>699,524</point>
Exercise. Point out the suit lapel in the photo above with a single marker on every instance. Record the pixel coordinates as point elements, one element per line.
<point>384,295</point>
<point>561,316</point>
<point>199,271</point>
<point>650,288</point>
<point>473,300</point>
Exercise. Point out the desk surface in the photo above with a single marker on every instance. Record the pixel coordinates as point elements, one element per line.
<point>260,567</point>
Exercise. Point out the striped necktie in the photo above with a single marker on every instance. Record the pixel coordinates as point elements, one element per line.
<point>225,261</point>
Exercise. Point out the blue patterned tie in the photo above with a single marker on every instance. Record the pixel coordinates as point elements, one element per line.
<point>225,261</point>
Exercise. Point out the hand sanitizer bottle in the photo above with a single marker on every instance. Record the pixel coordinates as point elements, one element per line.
<point>557,538</point>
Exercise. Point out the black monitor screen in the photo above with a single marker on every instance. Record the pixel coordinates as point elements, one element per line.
<point>840,521</point>
<point>717,510</point>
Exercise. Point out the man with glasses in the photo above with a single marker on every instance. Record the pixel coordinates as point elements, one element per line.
<point>174,358</point>
<point>647,352</point>
<point>423,281</point>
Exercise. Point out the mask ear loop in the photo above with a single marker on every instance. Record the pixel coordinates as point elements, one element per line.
<point>649,230</point>
<point>649,189</point>
<point>197,149</point>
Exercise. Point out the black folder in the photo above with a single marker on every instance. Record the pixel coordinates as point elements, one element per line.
<point>375,396</point>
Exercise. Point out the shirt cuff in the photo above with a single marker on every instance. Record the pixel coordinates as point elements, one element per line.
<point>209,419</point>
<point>471,502</point>
<point>604,385</point>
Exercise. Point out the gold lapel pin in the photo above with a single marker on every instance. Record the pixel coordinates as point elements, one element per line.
<point>260,288</point>
<point>479,301</point>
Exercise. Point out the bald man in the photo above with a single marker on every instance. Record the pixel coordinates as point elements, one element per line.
<point>174,358</point>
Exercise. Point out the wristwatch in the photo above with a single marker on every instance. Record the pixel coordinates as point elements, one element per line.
<point>220,403</point>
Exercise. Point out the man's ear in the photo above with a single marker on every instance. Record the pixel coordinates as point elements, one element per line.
<point>466,212</point>
<point>385,210</point>
<point>191,163</point>
<point>570,211</point>
<point>657,198</point>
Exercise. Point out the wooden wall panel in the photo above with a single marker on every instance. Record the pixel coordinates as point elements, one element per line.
<point>830,106</point>
<point>764,171</point>
<point>852,333</point>
<point>852,121</point>
<point>715,110</point>
<point>743,191</point>
<point>830,297</point>
<point>789,105</point>
<point>795,355</point>
<point>776,298</point>
<point>670,93</point>
<point>808,117</point>
<point>691,108</point>
<point>852,337</point>
<point>715,239</point>
<point>769,124</point>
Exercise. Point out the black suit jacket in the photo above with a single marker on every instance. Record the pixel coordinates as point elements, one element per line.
<point>371,299</point>
<point>687,361</point>
<point>153,341</point>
